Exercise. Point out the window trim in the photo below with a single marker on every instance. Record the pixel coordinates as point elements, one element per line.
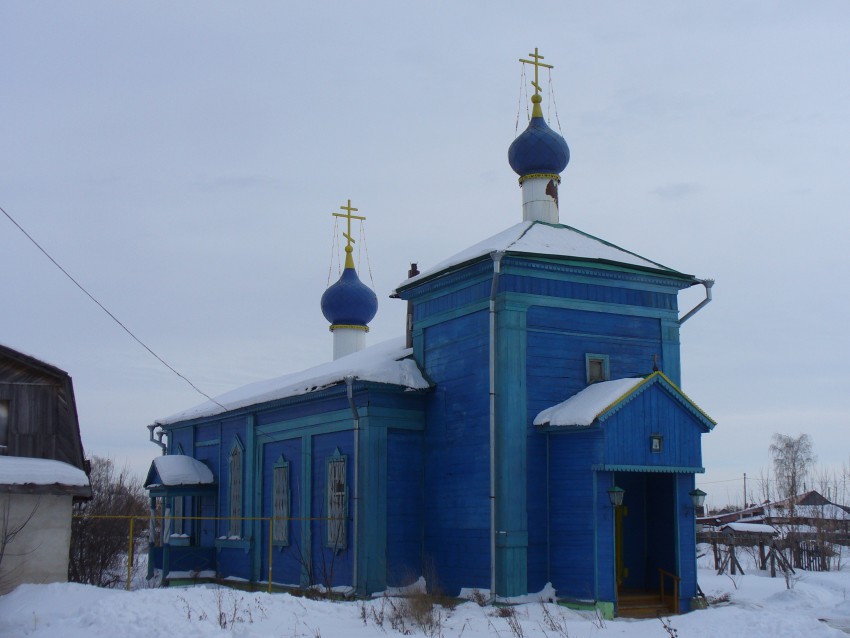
<point>606,368</point>
<point>336,527</point>
<point>235,489</point>
<point>281,523</point>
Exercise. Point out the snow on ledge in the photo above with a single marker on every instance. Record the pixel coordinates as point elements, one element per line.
<point>179,469</point>
<point>752,528</point>
<point>386,362</point>
<point>583,408</point>
<point>19,470</point>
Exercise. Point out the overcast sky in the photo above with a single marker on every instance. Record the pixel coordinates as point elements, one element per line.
<point>182,159</point>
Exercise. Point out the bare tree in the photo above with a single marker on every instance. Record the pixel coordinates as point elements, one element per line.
<point>9,530</point>
<point>792,462</point>
<point>100,531</point>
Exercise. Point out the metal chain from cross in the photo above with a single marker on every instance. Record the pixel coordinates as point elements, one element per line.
<point>537,64</point>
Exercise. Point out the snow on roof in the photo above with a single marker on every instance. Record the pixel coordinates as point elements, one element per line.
<point>750,528</point>
<point>583,408</point>
<point>827,510</point>
<point>20,470</point>
<point>538,238</point>
<point>178,469</point>
<point>386,362</point>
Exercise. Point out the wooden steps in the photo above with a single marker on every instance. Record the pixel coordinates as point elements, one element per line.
<point>641,604</point>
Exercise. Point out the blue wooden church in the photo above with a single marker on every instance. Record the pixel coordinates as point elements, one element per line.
<point>528,429</point>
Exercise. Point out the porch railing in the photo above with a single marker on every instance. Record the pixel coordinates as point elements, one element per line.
<point>663,575</point>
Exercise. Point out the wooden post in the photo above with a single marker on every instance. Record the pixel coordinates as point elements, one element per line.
<point>270,552</point>
<point>130,555</point>
<point>762,557</point>
<point>773,560</point>
<point>732,560</point>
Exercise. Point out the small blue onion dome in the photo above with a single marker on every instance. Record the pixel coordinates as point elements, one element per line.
<point>349,302</point>
<point>538,149</point>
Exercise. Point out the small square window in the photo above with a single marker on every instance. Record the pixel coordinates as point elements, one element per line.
<point>596,367</point>
<point>656,443</point>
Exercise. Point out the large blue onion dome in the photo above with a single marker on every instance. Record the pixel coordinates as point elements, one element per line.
<point>349,302</point>
<point>538,149</point>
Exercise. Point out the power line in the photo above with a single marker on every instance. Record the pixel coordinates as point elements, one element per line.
<point>102,307</point>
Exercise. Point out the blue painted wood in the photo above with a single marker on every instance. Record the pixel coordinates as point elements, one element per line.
<point>405,511</point>
<point>287,560</point>
<point>511,456</point>
<point>537,511</point>
<point>686,540</point>
<point>587,292</point>
<point>573,544</point>
<point>627,432</point>
<point>457,469</point>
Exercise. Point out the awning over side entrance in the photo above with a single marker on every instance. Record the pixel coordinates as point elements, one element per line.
<point>177,470</point>
<point>599,401</point>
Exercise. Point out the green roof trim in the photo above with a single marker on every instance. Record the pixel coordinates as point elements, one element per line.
<point>658,469</point>
<point>659,378</point>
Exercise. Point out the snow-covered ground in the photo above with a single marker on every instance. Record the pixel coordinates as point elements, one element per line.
<point>757,605</point>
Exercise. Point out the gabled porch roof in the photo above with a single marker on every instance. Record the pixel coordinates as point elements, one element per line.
<point>598,402</point>
<point>178,471</point>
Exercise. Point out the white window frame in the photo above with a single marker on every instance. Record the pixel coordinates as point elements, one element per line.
<point>336,500</point>
<point>280,502</point>
<point>234,494</point>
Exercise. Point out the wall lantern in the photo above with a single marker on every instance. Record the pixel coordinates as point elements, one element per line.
<point>616,494</point>
<point>698,497</point>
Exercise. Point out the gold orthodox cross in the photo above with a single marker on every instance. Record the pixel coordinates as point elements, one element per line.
<point>347,214</point>
<point>537,64</point>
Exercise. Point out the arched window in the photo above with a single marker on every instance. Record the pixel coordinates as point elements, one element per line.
<point>234,528</point>
<point>280,502</point>
<point>337,499</point>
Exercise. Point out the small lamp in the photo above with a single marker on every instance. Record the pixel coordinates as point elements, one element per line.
<point>698,497</point>
<point>616,494</point>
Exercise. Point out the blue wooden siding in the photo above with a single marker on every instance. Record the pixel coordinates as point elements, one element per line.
<point>654,411</point>
<point>559,339</point>
<point>453,300</point>
<point>287,560</point>
<point>404,506</point>
<point>573,516</point>
<point>537,510</point>
<point>686,540</point>
<point>587,292</point>
<point>457,461</point>
<point>180,438</point>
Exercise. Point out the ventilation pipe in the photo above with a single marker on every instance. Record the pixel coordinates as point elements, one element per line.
<point>494,289</point>
<point>159,434</point>
<point>708,283</point>
<point>408,331</point>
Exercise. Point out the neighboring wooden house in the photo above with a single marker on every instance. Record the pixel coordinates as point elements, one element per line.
<point>541,386</point>
<point>42,469</point>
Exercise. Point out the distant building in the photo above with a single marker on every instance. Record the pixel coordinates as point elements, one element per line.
<point>542,382</point>
<point>42,469</point>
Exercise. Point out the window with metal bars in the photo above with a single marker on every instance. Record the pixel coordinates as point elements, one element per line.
<point>234,528</point>
<point>337,492</point>
<point>280,502</point>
